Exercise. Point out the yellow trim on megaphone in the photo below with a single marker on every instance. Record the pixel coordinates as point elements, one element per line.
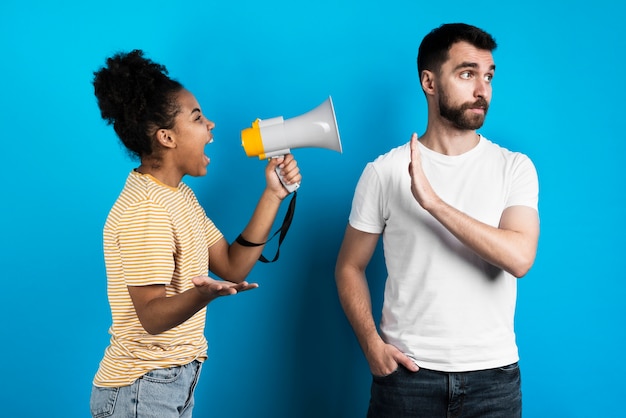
<point>252,142</point>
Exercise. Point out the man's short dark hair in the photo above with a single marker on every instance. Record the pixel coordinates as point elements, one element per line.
<point>433,50</point>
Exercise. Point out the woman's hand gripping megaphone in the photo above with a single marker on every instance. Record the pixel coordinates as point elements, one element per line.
<point>287,171</point>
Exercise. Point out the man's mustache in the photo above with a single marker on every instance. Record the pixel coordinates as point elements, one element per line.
<point>481,103</point>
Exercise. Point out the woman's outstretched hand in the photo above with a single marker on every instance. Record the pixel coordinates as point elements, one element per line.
<point>213,289</point>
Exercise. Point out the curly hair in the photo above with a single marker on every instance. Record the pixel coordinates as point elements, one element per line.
<point>433,51</point>
<point>137,97</point>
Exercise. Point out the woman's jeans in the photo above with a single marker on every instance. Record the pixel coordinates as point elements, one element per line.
<point>493,393</point>
<point>163,393</point>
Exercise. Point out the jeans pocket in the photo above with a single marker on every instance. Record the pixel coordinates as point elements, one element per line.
<point>102,402</point>
<point>386,376</point>
<point>168,375</point>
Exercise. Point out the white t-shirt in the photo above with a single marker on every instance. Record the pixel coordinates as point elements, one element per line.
<point>444,306</point>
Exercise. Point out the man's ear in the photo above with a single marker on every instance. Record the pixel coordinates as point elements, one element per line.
<point>427,80</point>
<point>164,137</point>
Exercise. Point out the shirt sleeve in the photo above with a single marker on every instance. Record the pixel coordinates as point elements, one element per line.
<point>211,232</point>
<point>367,209</point>
<point>525,184</point>
<point>146,243</point>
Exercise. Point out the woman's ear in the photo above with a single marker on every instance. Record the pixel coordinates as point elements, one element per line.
<point>164,137</point>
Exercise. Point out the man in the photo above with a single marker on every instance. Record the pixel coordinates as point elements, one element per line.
<point>459,221</point>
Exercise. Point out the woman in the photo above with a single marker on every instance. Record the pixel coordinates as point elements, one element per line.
<point>158,242</point>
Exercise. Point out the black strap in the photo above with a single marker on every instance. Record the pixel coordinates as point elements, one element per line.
<point>283,232</point>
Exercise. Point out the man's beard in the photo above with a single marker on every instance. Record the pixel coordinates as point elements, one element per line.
<point>459,116</point>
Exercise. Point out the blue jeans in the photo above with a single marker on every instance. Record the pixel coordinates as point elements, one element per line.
<point>493,393</point>
<point>163,393</point>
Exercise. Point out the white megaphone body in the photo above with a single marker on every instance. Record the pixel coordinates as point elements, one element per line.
<point>276,137</point>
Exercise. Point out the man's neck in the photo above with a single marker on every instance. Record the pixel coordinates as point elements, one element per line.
<point>449,141</point>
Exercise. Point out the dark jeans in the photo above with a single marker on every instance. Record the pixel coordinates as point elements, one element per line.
<point>493,393</point>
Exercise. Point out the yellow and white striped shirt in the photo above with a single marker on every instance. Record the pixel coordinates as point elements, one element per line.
<point>154,234</point>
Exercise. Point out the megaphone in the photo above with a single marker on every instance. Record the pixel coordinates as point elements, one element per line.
<point>276,136</point>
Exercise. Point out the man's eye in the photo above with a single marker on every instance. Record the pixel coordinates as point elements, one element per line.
<point>466,75</point>
<point>489,77</point>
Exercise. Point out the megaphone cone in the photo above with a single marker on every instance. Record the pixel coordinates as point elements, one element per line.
<point>276,136</point>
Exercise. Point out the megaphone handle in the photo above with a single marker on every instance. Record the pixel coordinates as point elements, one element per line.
<point>290,187</point>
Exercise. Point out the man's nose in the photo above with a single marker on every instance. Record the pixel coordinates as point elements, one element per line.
<point>481,89</point>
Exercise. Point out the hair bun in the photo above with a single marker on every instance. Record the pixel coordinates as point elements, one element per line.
<point>136,96</point>
<point>126,84</point>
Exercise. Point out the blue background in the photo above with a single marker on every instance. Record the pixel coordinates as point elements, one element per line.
<point>286,349</point>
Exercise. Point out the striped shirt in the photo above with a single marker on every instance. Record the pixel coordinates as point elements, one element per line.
<point>154,234</point>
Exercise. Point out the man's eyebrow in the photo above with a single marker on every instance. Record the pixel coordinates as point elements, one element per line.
<point>468,64</point>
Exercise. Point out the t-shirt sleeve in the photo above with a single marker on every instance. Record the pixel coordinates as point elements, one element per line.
<point>213,234</point>
<point>524,185</point>
<point>367,210</point>
<point>146,245</point>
